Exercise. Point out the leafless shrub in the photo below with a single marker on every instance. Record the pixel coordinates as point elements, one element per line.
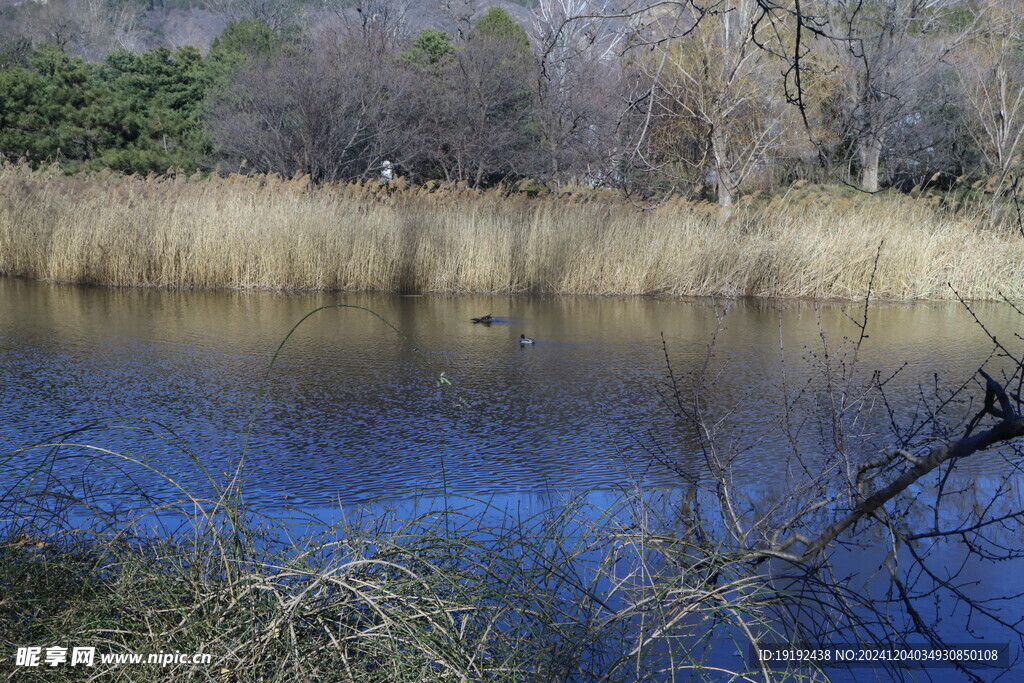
<point>277,14</point>
<point>325,109</point>
<point>872,534</point>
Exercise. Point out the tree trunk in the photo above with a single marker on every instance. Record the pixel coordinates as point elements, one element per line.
<point>870,150</point>
<point>724,191</point>
<point>723,180</point>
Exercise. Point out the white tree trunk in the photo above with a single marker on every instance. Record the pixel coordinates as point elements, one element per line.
<point>724,192</point>
<point>723,182</point>
<point>870,150</point>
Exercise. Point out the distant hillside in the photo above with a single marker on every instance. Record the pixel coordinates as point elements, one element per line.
<point>197,22</point>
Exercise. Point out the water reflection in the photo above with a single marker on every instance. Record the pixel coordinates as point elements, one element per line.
<point>353,411</point>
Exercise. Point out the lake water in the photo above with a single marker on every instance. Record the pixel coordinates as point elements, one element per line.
<point>353,411</point>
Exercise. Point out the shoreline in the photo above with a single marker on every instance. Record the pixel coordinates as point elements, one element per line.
<point>656,296</point>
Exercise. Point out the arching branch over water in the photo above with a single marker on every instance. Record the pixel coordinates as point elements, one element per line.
<point>1009,427</point>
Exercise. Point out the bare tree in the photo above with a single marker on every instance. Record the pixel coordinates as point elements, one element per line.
<point>325,110</point>
<point>475,111</point>
<point>991,73</point>
<point>53,24</point>
<point>578,52</point>
<point>461,13</point>
<point>85,28</point>
<point>712,111</point>
<point>108,25</point>
<point>885,52</point>
<point>277,14</point>
<point>380,24</point>
<point>862,471</point>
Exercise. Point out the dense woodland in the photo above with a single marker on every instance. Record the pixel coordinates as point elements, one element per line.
<point>709,100</point>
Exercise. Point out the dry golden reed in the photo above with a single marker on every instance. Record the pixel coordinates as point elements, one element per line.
<point>274,233</point>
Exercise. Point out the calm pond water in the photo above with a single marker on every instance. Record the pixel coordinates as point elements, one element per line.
<point>354,412</point>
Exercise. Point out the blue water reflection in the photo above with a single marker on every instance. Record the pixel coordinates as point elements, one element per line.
<point>353,412</point>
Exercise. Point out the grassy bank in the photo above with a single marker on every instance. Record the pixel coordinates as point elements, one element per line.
<point>280,234</point>
<point>461,591</point>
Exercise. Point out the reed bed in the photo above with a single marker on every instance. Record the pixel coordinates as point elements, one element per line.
<point>274,233</point>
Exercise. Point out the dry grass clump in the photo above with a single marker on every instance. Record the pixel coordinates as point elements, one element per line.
<point>274,233</point>
<point>458,591</point>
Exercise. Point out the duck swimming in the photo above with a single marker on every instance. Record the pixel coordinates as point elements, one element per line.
<point>485,319</point>
<point>526,341</point>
